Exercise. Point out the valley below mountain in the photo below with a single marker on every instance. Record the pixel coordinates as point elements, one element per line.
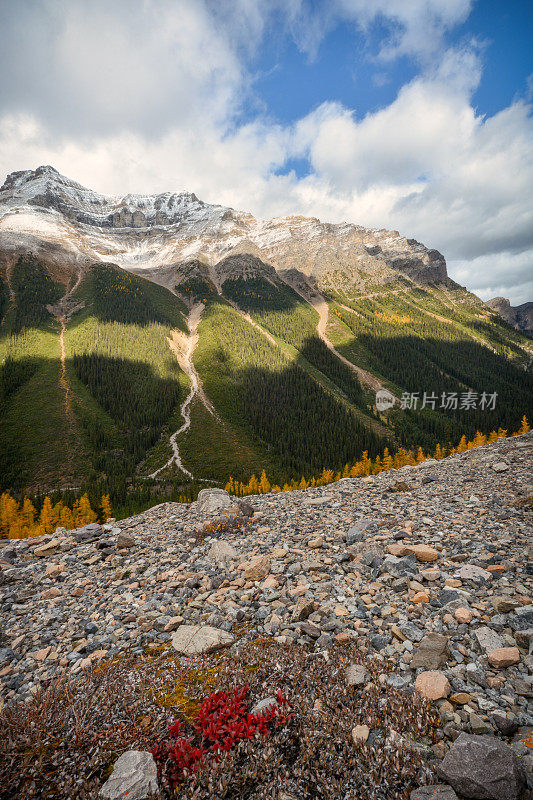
<point>154,344</point>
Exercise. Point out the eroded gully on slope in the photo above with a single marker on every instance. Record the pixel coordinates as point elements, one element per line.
<point>183,347</point>
<point>316,300</point>
<point>62,311</point>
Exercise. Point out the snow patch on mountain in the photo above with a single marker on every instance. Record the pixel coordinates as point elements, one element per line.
<point>146,232</point>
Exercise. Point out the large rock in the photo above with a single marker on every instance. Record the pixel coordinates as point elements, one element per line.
<point>210,501</point>
<point>402,567</point>
<point>361,549</point>
<point>431,653</point>
<point>134,777</point>
<point>504,657</point>
<point>522,618</point>
<point>488,640</point>
<point>484,768</point>
<point>302,610</point>
<point>257,568</point>
<point>89,533</point>
<point>222,553</point>
<point>360,733</point>
<point>423,552</point>
<point>124,540</point>
<point>356,533</point>
<point>500,466</point>
<point>192,640</point>
<point>433,685</point>
<point>504,604</point>
<point>469,572</point>
<point>356,675</point>
<point>48,549</point>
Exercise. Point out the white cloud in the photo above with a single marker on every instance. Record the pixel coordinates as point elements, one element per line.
<point>415,28</point>
<point>103,67</point>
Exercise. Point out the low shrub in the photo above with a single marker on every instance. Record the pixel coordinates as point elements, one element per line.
<point>223,721</point>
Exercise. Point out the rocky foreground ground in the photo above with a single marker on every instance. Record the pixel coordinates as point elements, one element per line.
<point>428,568</point>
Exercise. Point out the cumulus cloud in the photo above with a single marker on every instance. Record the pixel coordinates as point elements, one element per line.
<point>97,67</point>
<point>147,97</point>
<point>414,28</point>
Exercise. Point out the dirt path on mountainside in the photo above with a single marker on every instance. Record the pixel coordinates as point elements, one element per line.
<point>63,311</point>
<point>9,271</point>
<point>252,322</point>
<point>316,300</point>
<point>364,419</point>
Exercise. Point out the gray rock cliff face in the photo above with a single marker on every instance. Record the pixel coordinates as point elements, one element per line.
<point>148,233</point>
<point>520,317</point>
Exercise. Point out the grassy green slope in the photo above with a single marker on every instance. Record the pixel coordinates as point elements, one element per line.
<point>38,445</point>
<point>118,349</point>
<point>124,381</point>
<point>280,310</point>
<point>265,398</point>
<point>436,340</point>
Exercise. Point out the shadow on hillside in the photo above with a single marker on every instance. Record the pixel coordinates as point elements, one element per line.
<point>258,294</point>
<point>284,408</point>
<point>430,365</point>
<point>139,402</point>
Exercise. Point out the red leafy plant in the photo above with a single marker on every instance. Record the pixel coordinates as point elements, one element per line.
<point>223,720</point>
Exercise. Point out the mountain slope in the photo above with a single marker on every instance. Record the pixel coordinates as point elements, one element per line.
<point>42,209</point>
<point>89,381</point>
<point>166,340</point>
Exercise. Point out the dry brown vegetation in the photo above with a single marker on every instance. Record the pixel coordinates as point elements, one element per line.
<point>64,742</point>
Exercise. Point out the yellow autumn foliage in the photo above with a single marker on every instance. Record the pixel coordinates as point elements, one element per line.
<point>20,520</point>
<point>366,466</point>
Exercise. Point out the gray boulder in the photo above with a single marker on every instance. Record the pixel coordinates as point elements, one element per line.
<point>192,640</point>
<point>222,553</point>
<point>357,531</point>
<point>134,777</point>
<point>89,533</point>
<point>484,768</point>
<point>124,540</point>
<point>210,501</point>
<point>431,653</point>
<point>403,567</point>
<point>522,618</point>
<point>356,675</point>
<point>488,639</point>
<point>264,705</point>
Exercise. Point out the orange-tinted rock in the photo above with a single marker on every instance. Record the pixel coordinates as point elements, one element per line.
<point>398,550</point>
<point>504,657</point>
<point>423,552</point>
<point>257,568</point>
<point>433,685</point>
<point>463,616</point>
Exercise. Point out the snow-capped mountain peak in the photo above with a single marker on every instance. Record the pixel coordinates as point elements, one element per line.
<point>46,188</point>
<point>154,233</point>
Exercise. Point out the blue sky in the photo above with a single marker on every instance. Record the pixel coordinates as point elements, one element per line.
<point>408,114</point>
<point>291,82</point>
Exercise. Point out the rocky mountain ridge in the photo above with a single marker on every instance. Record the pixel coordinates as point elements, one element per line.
<point>520,317</point>
<point>43,211</point>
